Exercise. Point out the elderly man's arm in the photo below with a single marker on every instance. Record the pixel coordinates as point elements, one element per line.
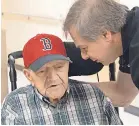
<point>121,92</point>
<point>8,116</point>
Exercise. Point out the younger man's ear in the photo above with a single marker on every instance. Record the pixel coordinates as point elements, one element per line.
<point>108,36</point>
<point>27,74</point>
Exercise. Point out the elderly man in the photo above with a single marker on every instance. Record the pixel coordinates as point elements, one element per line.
<point>52,98</point>
<point>105,30</point>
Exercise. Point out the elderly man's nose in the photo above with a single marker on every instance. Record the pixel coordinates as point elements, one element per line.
<point>52,73</point>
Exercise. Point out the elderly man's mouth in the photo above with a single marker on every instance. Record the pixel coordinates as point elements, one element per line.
<point>53,86</point>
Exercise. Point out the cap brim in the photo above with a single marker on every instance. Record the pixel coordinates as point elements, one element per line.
<point>45,59</point>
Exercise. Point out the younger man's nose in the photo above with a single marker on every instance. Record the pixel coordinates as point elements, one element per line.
<point>85,56</point>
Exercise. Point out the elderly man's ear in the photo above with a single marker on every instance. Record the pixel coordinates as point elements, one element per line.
<point>27,73</point>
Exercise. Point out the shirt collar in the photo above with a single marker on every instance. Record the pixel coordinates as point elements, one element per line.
<point>46,99</point>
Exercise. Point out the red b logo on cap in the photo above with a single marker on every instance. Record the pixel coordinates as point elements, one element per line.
<point>46,44</point>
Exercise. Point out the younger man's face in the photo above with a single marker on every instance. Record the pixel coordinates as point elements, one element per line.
<point>51,80</point>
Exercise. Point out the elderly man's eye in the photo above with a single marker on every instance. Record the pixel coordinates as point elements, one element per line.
<point>58,67</point>
<point>42,71</point>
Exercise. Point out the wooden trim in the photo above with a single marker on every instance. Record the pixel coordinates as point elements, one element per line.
<point>4,77</point>
<point>29,18</point>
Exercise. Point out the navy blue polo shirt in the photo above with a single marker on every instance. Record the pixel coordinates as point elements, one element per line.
<point>129,61</point>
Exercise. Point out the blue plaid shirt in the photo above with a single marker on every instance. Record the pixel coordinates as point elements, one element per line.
<point>84,104</point>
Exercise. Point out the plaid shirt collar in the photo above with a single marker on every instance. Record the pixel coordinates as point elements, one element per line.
<point>47,100</point>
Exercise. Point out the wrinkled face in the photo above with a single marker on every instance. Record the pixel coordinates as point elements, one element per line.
<point>103,50</point>
<point>51,80</point>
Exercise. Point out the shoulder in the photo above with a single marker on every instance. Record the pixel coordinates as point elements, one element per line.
<point>85,88</point>
<point>22,90</point>
<point>12,97</point>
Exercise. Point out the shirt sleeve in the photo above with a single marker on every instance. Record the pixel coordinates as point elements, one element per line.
<point>112,115</point>
<point>124,62</point>
<point>134,58</point>
<point>8,116</point>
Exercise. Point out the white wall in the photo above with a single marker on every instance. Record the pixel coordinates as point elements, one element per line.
<point>56,9</point>
<point>130,3</point>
